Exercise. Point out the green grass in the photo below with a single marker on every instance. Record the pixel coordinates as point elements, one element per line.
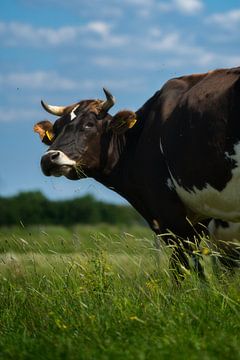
<point>50,239</point>
<point>101,293</point>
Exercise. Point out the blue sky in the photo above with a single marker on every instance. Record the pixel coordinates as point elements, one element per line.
<point>63,51</point>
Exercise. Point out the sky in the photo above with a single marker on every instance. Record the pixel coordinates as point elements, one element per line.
<point>65,51</point>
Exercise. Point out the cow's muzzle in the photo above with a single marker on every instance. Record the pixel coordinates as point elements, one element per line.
<point>56,163</point>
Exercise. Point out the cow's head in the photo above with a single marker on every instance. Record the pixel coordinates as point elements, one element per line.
<point>78,136</point>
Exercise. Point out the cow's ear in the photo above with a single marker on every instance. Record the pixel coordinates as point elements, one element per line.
<point>45,130</point>
<point>123,121</point>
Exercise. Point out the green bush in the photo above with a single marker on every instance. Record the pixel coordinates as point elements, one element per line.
<point>33,208</point>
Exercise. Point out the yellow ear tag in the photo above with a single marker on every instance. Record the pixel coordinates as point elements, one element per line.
<point>49,135</point>
<point>131,123</point>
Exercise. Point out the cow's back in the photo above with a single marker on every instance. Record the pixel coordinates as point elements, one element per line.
<point>200,141</point>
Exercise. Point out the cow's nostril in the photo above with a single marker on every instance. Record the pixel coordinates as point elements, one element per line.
<point>54,155</point>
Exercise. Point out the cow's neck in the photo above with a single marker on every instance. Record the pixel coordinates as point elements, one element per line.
<point>125,158</point>
<point>117,149</point>
<point>113,152</point>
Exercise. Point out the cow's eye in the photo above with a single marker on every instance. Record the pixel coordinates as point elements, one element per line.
<point>88,125</point>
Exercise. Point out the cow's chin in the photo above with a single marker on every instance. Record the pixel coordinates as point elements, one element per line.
<point>65,170</point>
<point>73,175</point>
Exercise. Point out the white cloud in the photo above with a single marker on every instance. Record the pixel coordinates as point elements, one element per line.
<point>139,3</point>
<point>127,63</point>
<point>173,43</point>
<point>188,7</point>
<point>45,81</point>
<point>165,42</point>
<point>94,9</point>
<point>146,8</point>
<point>98,27</point>
<point>229,20</point>
<point>18,33</point>
<point>169,50</point>
<point>230,60</point>
<point>18,114</point>
<point>126,83</point>
<point>205,60</point>
<point>107,42</point>
<point>37,80</point>
<point>93,33</point>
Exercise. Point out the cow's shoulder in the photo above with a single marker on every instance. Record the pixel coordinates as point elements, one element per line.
<point>218,86</point>
<point>185,82</point>
<point>174,90</point>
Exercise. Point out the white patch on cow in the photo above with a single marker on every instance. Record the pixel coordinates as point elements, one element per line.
<point>62,159</point>
<point>72,114</point>
<point>228,234</point>
<point>210,202</point>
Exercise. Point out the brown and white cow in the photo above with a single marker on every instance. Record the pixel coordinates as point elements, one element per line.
<point>178,165</point>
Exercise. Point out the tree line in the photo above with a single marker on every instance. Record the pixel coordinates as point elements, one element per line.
<point>32,208</point>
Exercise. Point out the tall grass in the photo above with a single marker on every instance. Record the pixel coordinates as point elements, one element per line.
<point>100,293</point>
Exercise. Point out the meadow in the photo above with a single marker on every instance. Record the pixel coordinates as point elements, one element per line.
<point>105,292</point>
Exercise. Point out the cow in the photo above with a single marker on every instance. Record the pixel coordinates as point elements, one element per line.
<point>176,159</point>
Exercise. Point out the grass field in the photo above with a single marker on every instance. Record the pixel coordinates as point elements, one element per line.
<point>105,293</point>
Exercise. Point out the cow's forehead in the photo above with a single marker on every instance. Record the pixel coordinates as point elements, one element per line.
<point>90,106</point>
<point>84,106</point>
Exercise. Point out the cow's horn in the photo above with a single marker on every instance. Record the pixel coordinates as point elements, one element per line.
<point>58,110</point>
<point>108,103</point>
